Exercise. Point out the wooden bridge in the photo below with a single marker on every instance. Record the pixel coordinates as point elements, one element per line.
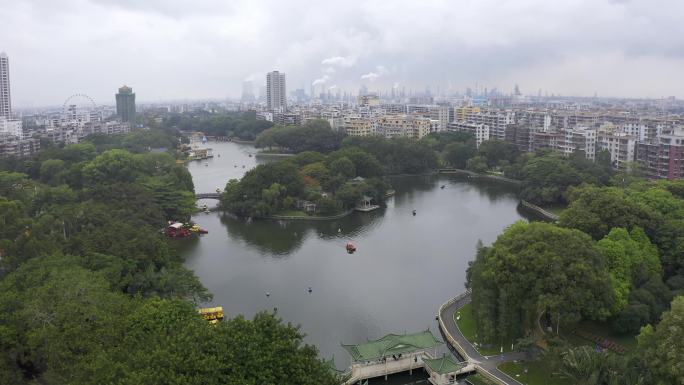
<point>208,196</point>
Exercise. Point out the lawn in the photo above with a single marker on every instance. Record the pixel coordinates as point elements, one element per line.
<point>466,324</point>
<point>538,373</point>
<point>477,379</point>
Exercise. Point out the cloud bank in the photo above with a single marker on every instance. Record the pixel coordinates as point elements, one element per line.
<point>167,50</point>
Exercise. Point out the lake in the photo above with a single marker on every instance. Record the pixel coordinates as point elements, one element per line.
<point>405,266</point>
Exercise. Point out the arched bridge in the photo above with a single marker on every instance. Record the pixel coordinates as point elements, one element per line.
<point>208,196</point>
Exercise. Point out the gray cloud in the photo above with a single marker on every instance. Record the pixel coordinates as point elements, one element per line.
<point>175,49</point>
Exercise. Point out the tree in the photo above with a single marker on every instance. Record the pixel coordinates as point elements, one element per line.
<point>661,347</point>
<point>597,210</point>
<point>494,151</point>
<point>477,164</point>
<point>625,254</point>
<point>343,167</point>
<point>534,268</point>
<point>457,154</point>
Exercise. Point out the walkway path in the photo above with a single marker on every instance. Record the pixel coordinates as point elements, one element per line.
<point>486,365</point>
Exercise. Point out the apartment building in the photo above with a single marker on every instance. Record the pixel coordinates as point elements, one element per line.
<point>480,131</point>
<point>664,157</point>
<point>358,126</point>
<point>391,126</point>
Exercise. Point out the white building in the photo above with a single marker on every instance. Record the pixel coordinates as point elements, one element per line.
<point>11,127</point>
<point>479,130</point>
<point>621,146</point>
<point>276,91</point>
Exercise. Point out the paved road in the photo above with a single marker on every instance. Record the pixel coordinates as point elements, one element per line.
<point>488,363</point>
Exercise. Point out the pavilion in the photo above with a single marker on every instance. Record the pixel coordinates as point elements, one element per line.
<point>390,354</point>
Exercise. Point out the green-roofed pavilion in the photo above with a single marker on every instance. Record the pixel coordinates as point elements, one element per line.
<point>444,365</point>
<point>392,344</point>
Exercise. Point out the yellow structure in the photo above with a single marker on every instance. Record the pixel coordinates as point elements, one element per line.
<point>211,314</point>
<point>460,113</point>
<point>357,126</point>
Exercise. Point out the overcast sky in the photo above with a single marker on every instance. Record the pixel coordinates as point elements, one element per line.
<point>179,49</point>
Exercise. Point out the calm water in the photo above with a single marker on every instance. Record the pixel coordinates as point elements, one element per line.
<point>406,266</point>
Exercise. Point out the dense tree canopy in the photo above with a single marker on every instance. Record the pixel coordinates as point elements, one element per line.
<point>90,291</point>
<point>273,188</point>
<point>661,347</point>
<point>534,269</point>
<point>314,135</point>
<point>241,125</point>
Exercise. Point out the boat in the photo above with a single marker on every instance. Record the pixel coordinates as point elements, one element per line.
<point>414,213</point>
<point>177,230</point>
<point>198,230</point>
<point>211,314</point>
<point>351,249</point>
<point>442,187</point>
<point>250,155</point>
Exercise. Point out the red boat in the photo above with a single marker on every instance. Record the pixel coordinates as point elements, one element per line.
<point>351,248</point>
<point>176,230</point>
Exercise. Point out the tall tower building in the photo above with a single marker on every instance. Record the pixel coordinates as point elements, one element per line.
<point>5,99</point>
<point>125,105</point>
<point>247,92</point>
<point>275,91</point>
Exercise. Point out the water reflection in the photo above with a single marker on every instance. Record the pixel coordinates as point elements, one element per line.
<point>279,238</point>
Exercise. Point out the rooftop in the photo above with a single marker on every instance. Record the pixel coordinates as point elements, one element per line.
<point>392,344</point>
<point>444,365</point>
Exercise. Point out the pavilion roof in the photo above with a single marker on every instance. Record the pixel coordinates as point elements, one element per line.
<point>392,344</point>
<point>444,365</point>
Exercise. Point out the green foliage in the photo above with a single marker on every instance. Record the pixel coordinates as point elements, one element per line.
<point>315,135</point>
<point>661,347</point>
<point>477,164</point>
<point>625,255</point>
<point>398,155</point>
<point>458,154</point>
<point>589,367</point>
<point>243,125</point>
<point>274,187</point>
<point>494,151</point>
<point>532,269</point>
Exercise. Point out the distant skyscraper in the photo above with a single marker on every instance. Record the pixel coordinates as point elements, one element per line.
<point>125,105</point>
<point>275,90</point>
<point>247,92</point>
<point>5,99</point>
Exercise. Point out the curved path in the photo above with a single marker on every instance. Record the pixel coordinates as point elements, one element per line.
<point>485,365</point>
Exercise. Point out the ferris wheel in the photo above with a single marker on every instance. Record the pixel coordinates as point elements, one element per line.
<point>84,100</point>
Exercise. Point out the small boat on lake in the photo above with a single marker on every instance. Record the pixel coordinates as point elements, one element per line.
<point>351,249</point>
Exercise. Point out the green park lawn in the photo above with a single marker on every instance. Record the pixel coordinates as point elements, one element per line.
<point>538,373</point>
<point>477,379</point>
<point>466,324</point>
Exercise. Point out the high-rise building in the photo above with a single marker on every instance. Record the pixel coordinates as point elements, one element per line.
<point>247,92</point>
<point>125,105</point>
<point>5,100</point>
<point>275,91</point>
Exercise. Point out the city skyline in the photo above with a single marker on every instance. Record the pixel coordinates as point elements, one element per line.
<point>617,48</point>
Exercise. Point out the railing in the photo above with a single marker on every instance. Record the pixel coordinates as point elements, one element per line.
<point>478,368</point>
<point>364,371</point>
<point>208,196</point>
<point>448,335</point>
<point>541,211</point>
